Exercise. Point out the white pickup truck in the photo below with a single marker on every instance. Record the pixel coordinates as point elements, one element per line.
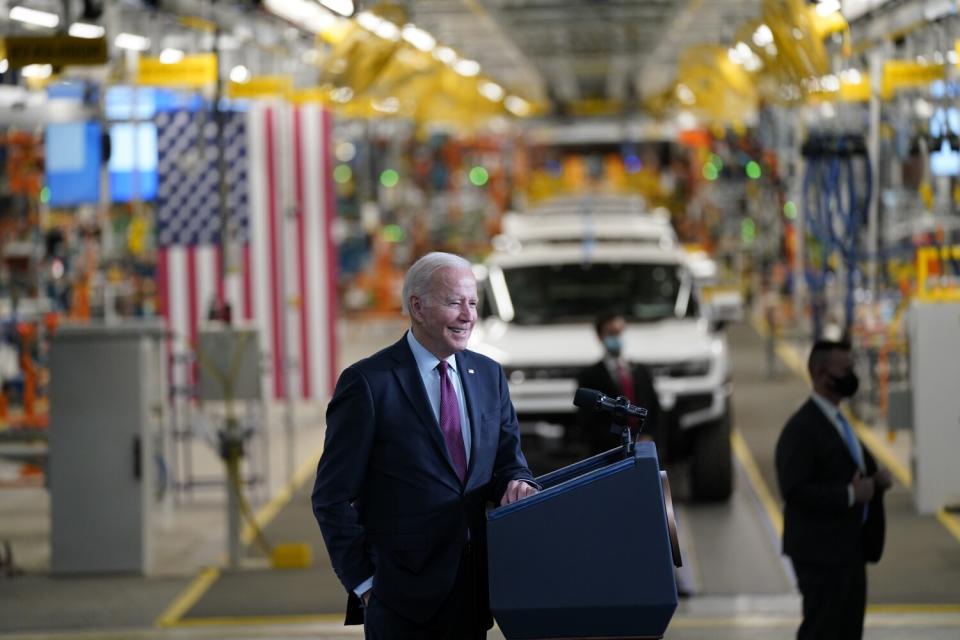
<point>538,303</point>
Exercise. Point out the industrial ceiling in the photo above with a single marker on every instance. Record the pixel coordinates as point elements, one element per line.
<point>565,51</point>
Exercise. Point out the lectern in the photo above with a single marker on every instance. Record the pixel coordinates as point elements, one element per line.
<point>590,556</point>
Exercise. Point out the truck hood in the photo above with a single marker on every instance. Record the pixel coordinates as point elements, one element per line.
<point>577,345</point>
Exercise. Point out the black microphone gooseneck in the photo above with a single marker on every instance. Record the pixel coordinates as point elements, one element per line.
<point>620,408</point>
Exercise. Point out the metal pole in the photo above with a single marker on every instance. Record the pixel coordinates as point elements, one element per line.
<point>873,149</point>
<point>800,228</point>
<point>233,439</point>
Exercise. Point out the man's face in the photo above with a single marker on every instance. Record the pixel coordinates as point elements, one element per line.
<point>837,364</point>
<point>443,319</point>
<point>613,328</point>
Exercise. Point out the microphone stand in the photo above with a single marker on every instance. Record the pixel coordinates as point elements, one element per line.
<point>621,425</point>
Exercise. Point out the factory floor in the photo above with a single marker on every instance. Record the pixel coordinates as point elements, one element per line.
<point>740,586</point>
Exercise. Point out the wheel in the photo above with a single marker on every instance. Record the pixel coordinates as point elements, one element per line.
<point>712,465</point>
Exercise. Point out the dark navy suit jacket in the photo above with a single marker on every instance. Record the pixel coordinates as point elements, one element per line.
<point>814,467</point>
<point>387,498</point>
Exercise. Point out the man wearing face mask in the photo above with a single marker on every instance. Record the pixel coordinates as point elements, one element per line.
<point>833,519</point>
<point>614,376</point>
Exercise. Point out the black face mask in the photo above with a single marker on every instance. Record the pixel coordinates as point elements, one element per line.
<point>844,386</point>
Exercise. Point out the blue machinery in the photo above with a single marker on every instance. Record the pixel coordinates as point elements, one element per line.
<point>834,211</point>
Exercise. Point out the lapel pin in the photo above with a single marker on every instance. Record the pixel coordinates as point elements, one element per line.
<point>469,370</point>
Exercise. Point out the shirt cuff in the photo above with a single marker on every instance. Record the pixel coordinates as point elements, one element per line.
<point>363,587</point>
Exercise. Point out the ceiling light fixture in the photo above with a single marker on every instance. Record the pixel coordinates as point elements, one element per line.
<point>304,13</point>
<point>517,106</point>
<point>827,7</point>
<point>34,17</point>
<point>467,68</point>
<point>446,55</point>
<point>171,56</point>
<point>419,38</point>
<point>763,36</point>
<point>84,30</point>
<point>491,91</point>
<point>37,71</point>
<point>132,42</point>
<point>240,74</point>
<point>343,7</point>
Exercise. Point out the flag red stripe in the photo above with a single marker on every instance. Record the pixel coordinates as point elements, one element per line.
<point>330,212</point>
<point>247,283</point>
<point>298,172</point>
<point>163,290</point>
<point>219,274</point>
<point>193,305</point>
<point>274,253</point>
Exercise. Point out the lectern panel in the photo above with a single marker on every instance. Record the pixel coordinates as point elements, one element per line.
<point>589,556</point>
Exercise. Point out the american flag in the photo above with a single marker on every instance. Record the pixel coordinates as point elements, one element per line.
<point>280,207</point>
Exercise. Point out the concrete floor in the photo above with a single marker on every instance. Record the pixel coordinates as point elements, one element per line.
<point>742,588</point>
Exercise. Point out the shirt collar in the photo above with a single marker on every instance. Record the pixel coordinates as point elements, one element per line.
<point>426,361</point>
<point>828,408</point>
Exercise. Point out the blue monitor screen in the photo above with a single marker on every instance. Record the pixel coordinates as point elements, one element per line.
<point>73,157</point>
<point>133,161</point>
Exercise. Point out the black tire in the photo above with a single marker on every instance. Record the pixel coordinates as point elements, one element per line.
<point>711,469</point>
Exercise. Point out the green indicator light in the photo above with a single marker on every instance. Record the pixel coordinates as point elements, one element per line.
<point>389,178</point>
<point>753,170</point>
<point>790,210</point>
<point>716,161</point>
<point>709,172</point>
<point>45,195</point>
<point>479,176</point>
<point>748,231</point>
<point>393,233</point>
<point>343,173</point>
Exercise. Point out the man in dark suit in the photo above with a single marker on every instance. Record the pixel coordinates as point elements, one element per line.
<point>833,519</point>
<point>420,436</point>
<point>614,376</point>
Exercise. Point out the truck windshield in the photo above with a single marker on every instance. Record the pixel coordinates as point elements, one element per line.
<point>563,293</point>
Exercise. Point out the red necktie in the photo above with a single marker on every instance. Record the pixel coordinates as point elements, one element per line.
<point>626,381</point>
<point>450,422</point>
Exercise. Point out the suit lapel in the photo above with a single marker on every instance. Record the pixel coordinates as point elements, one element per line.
<point>831,432</point>
<point>468,382</point>
<point>412,384</point>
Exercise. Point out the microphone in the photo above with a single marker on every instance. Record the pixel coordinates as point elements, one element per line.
<point>619,407</point>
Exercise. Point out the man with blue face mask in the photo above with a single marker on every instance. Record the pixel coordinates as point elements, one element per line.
<point>615,376</point>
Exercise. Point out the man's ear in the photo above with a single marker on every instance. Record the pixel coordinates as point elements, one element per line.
<point>415,305</point>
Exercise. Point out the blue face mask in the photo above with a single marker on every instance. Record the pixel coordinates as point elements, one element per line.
<point>613,345</point>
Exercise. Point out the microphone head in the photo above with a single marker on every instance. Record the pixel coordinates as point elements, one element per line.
<point>587,398</point>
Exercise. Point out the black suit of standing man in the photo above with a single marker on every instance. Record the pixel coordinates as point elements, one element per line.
<point>420,436</point>
<point>833,519</point>
<point>614,376</point>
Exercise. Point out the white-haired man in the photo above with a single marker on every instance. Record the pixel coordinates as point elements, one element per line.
<point>420,436</point>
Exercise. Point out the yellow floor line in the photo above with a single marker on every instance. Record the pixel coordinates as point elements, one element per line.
<point>893,615</point>
<point>950,521</point>
<point>770,504</point>
<point>791,357</point>
<point>207,577</point>
<point>881,451</point>
<point>913,609</point>
<point>241,621</point>
<point>270,510</point>
<point>188,597</point>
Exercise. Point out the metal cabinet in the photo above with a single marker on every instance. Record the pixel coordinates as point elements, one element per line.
<point>107,393</point>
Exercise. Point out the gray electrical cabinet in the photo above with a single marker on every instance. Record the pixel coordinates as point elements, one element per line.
<point>934,332</point>
<point>107,395</point>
